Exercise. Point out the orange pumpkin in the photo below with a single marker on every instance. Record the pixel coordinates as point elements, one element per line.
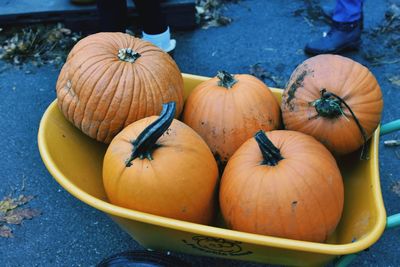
<point>161,166</point>
<point>283,184</point>
<point>334,99</point>
<point>110,80</point>
<point>228,109</point>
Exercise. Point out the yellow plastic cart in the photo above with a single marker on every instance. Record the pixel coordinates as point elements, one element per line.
<point>75,162</point>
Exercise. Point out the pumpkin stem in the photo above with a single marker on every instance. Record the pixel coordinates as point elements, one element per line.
<point>271,153</point>
<point>128,55</point>
<point>145,143</point>
<point>329,105</point>
<point>226,79</point>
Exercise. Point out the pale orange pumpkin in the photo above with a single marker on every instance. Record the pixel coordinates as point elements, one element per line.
<point>110,80</point>
<point>228,109</point>
<point>161,166</point>
<point>284,184</point>
<point>335,99</point>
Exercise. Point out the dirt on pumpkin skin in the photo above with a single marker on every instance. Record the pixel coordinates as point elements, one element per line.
<point>298,82</point>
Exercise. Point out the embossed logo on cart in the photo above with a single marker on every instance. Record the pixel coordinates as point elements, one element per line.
<point>218,246</point>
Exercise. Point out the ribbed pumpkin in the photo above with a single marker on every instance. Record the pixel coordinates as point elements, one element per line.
<point>161,166</point>
<point>335,99</point>
<point>110,80</point>
<point>228,109</point>
<point>283,184</point>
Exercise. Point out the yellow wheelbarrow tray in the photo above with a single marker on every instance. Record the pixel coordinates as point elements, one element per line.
<point>75,162</point>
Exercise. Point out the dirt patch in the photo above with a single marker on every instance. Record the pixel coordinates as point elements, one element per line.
<point>300,74</point>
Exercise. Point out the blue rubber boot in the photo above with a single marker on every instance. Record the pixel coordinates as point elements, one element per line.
<point>342,36</point>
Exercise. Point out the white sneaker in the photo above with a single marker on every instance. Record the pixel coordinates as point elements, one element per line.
<point>162,40</point>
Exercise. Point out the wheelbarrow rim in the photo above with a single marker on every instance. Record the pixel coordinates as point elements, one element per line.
<point>212,231</point>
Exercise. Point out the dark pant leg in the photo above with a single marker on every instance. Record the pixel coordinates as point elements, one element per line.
<point>112,15</point>
<point>347,10</point>
<point>151,17</point>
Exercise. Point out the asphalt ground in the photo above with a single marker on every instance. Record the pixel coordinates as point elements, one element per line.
<point>271,33</point>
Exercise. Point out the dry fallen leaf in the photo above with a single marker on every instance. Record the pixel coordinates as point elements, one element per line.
<point>5,231</point>
<point>395,80</point>
<point>12,212</point>
<point>261,73</point>
<point>258,71</point>
<point>37,43</point>
<point>9,203</point>
<point>396,188</point>
<point>209,15</point>
<point>18,215</point>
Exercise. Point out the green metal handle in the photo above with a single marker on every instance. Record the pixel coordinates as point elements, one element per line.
<point>391,221</point>
<point>390,127</point>
<point>344,261</point>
